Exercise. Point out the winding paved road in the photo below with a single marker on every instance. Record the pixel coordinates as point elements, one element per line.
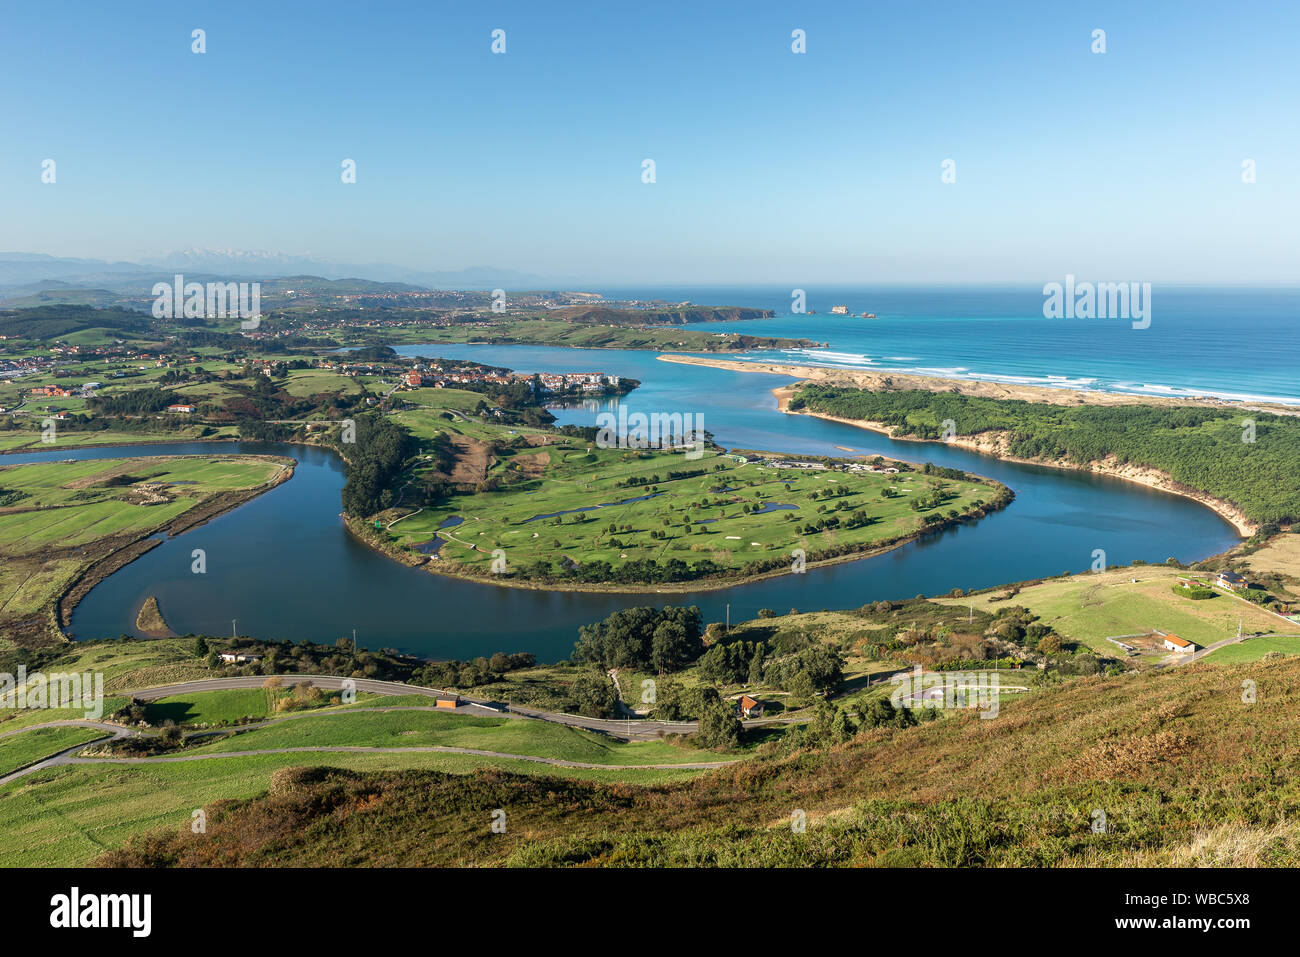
<point>632,730</point>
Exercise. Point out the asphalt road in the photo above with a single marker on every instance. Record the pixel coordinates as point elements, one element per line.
<point>633,730</point>
<point>629,729</point>
<point>69,755</point>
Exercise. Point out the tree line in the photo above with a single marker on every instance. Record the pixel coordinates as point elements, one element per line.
<point>1247,458</point>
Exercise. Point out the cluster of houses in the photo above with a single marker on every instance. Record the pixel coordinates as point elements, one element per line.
<point>547,381</point>
<point>56,364</point>
<point>86,391</point>
<point>1230,581</point>
<point>354,369</point>
<point>586,381</point>
<point>441,380</point>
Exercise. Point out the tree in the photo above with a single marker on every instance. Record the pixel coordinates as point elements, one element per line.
<point>755,675</point>
<point>200,647</point>
<point>720,729</point>
<point>672,647</point>
<point>593,694</point>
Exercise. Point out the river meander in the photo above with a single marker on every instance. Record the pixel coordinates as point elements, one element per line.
<point>283,566</point>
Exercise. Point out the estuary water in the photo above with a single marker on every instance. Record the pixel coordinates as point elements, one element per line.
<point>283,566</point>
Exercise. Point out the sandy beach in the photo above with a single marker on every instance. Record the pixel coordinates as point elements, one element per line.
<point>884,381</point>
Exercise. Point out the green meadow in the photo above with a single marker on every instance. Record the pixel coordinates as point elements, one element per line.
<point>561,501</point>
<point>1090,608</point>
<point>19,750</point>
<point>408,729</point>
<point>1253,649</point>
<point>60,517</point>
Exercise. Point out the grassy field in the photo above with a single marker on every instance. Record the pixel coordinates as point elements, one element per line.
<point>130,663</point>
<point>1253,649</point>
<point>1280,556</point>
<point>19,750</point>
<point>307,382</point>
<point>568,502</point>
<point>29,440</point>
<point>1089,608</point>
<point>67,515</point>
<point>235,704</point>
<point>404,729</point>
<point>460,399</point>
<point>68,816</point>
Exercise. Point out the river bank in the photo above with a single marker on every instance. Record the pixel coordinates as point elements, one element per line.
<point>123,551</point>
<point>390,603</point>
<point>365,533</point>
<point>995,444</point>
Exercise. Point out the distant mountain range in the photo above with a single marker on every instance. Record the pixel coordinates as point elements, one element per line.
<point>24,274</point>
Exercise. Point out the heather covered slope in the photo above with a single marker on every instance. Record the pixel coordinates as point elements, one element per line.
<point>1184,770</point>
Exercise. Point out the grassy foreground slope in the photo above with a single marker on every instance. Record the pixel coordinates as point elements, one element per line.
<point>1185,768</point>
<point>68,816</point>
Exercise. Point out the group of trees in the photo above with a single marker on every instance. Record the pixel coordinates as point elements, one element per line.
<point>636,481</point>
<point>816,670</point>
<point>44,323</point>
<point>136,402</point>
<point>470,674</point>
<point>734,662</point>
<point>645,638</point>
<point>373,463</point>
<point>720,727</point>
<point>832,725</point>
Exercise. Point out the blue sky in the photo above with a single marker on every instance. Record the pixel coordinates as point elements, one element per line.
<point>770,166</point>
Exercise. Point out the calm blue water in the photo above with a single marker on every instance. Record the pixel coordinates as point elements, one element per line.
<point>284,567</point>
<point>1236,343</point>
